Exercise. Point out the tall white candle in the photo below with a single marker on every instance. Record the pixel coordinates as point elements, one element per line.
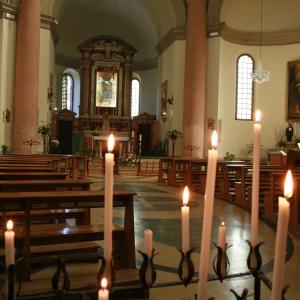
<point>185,221</point>
<point>255,179</point>
<point>140,137</point>
<point>132,133</point>
<point>103,293</point>
<point>222,236</point>
<point>207,217</point>
<point>108,198</point>
<point>148,237</point>
<point>281,238</point>
<point>9,244</point>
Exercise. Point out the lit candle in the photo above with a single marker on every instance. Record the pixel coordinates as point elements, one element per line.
<point>207,216</point>
<point>148,237</point>
<point>281,238</point>
<point>103,293</point>
<point>108,201</point>
<point>9,244</point>
<point>255,179</point>
<point>185,219</point>
<point>222,236</point>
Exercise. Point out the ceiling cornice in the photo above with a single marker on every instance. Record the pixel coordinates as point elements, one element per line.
<point>174,34</point>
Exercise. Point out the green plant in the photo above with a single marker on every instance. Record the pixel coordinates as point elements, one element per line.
<point>160,148</point>
<point>174,134</point>
<point>44,129</point>
<point>229,156</point>
<point>4,149</point>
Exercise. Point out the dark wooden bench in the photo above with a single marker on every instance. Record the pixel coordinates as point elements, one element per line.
<point>30,201</point>
<point>44,185</point>
<point>32,175</point>
<point>29,168</point>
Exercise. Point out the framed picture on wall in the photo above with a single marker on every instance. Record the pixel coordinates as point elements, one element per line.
<point>106,88</point>
<point>293,105</point>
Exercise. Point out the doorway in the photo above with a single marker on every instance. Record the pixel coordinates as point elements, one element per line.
<point>65,137</point>
<point>145,131</point>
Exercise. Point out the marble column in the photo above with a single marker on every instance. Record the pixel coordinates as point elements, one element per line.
<point>85,84</point>
<point>195,73</point>
<point>25,111</point>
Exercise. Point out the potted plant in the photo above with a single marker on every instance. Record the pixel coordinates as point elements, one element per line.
<point>4,149</point>
<point>173,135</point>
<point>44,130</point>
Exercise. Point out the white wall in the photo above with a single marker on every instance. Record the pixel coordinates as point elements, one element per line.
<point>7,67</point>
<point>172,68</point>
<point>46,67</point>
<point>148,91</point>
<point>270,97</point>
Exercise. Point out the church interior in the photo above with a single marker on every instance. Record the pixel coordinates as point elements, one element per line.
<point>110,108</point>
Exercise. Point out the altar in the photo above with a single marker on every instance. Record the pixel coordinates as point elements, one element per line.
<point>99,142</point>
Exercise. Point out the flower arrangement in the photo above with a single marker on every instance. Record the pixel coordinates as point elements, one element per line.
<point>130,158</point>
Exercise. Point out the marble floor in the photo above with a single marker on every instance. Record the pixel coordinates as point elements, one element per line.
<point>157,207</point>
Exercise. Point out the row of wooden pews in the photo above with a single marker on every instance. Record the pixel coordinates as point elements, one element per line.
<point>233,184</point>
<point>41,205</point>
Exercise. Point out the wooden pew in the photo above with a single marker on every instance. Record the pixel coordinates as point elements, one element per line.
<point>29,168</point>
<point>165,164</point>
<point>30,201</point>
<point>44,185</point>
<point>32,175</point>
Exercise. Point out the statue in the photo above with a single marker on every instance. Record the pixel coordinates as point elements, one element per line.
<point>289,133</point>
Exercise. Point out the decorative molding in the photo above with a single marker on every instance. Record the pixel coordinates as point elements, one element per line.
<point>174,34</point>
<point>8,11</point>
<point>253,38</point>
<point>148,64</point>
<point>65,61</point>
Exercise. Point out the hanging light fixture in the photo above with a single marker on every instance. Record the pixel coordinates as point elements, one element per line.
<point>260,75</point>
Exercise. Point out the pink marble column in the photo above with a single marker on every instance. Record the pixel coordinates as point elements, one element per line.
<point>195,76</point>
<point>25,111</point>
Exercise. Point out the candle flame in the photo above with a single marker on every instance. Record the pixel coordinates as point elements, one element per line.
<point>257,116</point>
<point>186,196</point>
<point>104,283</point>
<point>288,185</point>
<point>214,139</point>
<point>110,143</point>
<point>9,225</point>
<point>222,223</point>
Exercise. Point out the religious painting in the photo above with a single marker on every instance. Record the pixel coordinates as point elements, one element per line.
<point>106,88</point>
<point>293,105</point>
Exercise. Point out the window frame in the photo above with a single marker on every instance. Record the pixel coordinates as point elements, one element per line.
<point>139,100</point>
<point>72,91</point>
<point>237,86</point>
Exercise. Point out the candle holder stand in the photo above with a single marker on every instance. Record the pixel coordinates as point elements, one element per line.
<point>147,272</point>
<point>221,264</point>
<point>60,279</point>
<point>243,296</point>
<point>107,272</point>
<point>254,263</point>
<point>186,267</point>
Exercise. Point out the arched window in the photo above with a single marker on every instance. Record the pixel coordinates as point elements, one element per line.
<point>135,97</point>
<point>244,88</point>
<point>67,92</point>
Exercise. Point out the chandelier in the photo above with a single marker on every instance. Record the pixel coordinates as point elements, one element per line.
<point>260,75</point>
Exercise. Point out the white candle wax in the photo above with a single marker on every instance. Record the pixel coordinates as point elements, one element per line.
<point>207,219</point>
<point>185,219</point>
<point>148,237</point>
<point>281,238</point>
<point>132,133</point>
<point>9,244</point>
<point>222,236</point>
<point>108,202</point>
<point>140,137</point>
<point>255,180</point>
<point>103,293</point>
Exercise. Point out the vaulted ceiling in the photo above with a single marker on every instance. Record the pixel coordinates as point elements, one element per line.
<point>142,23</point>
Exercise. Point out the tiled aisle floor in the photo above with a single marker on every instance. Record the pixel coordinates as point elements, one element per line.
<point>158,207</point>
